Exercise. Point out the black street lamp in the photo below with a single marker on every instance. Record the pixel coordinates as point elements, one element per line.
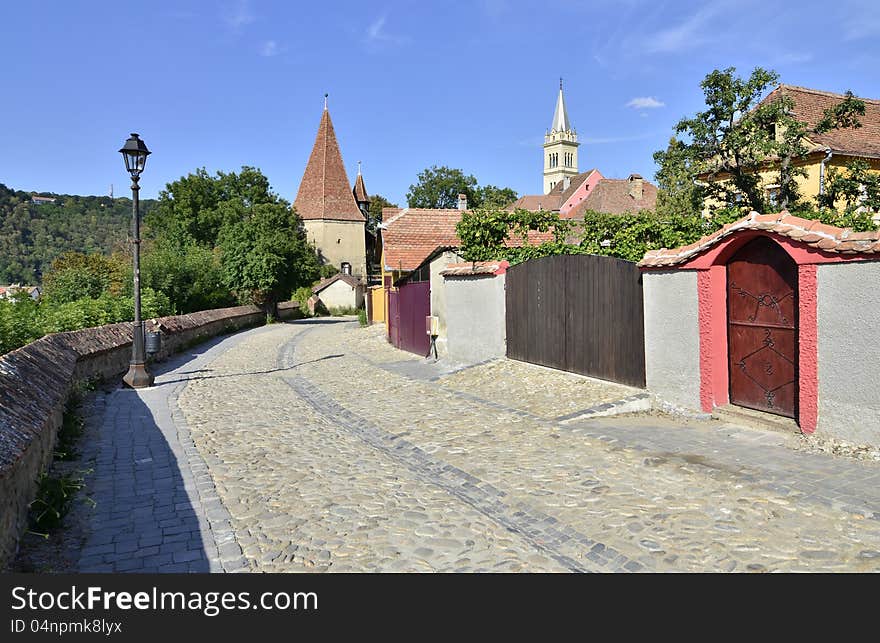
<point>135,154</point>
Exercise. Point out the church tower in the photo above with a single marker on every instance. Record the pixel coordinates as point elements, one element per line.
<point>560,147</point>
<point>334,221</point>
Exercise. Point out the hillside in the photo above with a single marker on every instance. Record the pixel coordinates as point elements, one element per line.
<point>32,235</point>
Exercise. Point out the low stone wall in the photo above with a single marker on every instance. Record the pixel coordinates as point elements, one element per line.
<point>36,380</point>
<point>475,308</point>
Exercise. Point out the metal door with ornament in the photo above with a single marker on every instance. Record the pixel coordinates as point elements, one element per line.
<point>762,304</point>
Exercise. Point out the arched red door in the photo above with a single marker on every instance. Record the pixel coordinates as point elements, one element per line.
<point>762,306</point>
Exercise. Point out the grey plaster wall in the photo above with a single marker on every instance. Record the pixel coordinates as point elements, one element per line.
<point>438,294</point>
<point>475,318</point>
<point>848,311</point>
<point>672,337</point>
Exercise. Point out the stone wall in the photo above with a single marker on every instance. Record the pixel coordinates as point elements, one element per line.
<point>36,379</point>
<point>672,337</point>
<point>476,327</point>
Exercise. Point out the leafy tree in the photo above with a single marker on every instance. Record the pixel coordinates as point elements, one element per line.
<point>190,276</point>
<point>377,202</point>
<point>75,275</point>
<point>857,187</point>
<point>439,187</point>
<point>737,135</point>
<point>265,256</point>
<point>677,191</point>
<point>32,236</point>
<point>491,196</point>
<point>197,206</point>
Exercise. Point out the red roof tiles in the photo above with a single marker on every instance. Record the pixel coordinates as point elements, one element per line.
<point>807,231</point>
<point>470,268</point>
<point>618,196</point>
<point>325,192</point>
<point>810,106</point>
<point>339,276</point>
<point>411,235</point>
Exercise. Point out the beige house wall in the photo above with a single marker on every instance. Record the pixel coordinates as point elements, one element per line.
<point>438,293</point>
<point>339,241</point>
<point>340,295</point>
<point>808,185</point>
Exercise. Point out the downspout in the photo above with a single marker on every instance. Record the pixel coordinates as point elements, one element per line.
<point>828,155</point>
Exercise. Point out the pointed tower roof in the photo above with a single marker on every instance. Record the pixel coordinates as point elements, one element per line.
<point>325,192</point>
<point>560,116</point>
<point>360,190</point>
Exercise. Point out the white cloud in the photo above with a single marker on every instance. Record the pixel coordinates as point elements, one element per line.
<point>645,102</point>
<point>690,33</point>
<point>377,36</point>
<point>238,15</point>
<point>270,48</point>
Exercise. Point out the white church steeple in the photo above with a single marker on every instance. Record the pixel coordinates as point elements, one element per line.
<point>560,147</point>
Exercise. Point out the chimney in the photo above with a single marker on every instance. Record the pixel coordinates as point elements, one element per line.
<point>462,201</point>
<point>635,186</point>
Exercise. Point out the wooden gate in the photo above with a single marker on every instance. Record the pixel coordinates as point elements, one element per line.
<point>762,308</point>
<point>579,313</point>
<point>407,308</point>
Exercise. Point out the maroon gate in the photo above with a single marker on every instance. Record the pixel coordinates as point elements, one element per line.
<point>407,308</point>
<point>762,328</point>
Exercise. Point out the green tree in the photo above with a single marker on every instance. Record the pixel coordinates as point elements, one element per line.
<point>197,206</point>
<point>677,188</point>
<point>738,134</point>
<point>439,187</point>
<point>856,186</point>
<point>190,275</point>
<point>491,196</point>
<point>377,202</point>
<point>265,256</point>
<point>75,275</point>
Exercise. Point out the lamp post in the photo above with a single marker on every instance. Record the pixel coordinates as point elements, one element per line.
<point>135,154</point>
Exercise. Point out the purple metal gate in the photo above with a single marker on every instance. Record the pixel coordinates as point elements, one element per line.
<point>407,309</point>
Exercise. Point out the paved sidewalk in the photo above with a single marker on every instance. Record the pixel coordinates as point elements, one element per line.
<point>315,446</point>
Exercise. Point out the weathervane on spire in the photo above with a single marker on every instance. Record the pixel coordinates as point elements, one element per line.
<point>325,101</point>
<point>359,167</point>
<point>560,83</point>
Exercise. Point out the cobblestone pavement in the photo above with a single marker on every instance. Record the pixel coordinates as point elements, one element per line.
<point>315,446</point>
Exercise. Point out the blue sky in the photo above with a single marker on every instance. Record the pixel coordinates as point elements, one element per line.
<point>465,84</point>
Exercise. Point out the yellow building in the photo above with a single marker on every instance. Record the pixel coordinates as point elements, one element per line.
<point>834,149</point>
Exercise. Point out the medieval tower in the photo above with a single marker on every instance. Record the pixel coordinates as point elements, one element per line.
<point>334,221</point>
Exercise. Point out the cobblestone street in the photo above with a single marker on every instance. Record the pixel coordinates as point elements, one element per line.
<point>315,446</point>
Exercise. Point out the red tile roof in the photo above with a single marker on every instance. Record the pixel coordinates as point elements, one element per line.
<point>325,192</point>
<point>339,276</point>
<point>469,268</point>
<point>810,106</point>
<point>411,235</point>
<point>618,196</point>
<point>807,231</point>
<point>360,190</point>
<point>535,202</point>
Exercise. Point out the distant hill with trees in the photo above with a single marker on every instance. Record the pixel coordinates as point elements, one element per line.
<point>33,235</point>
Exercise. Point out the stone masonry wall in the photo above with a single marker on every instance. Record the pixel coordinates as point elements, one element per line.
<point>36,379</point>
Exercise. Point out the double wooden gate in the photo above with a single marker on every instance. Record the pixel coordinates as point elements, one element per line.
<point>408,306</point>
<point>579,313</point>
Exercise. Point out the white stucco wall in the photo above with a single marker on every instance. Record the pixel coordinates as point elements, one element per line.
<point>438,294</point>
<point>848,312</point>
<point>672,336</point>
<point>340,295</point>
<point>476,328</point>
